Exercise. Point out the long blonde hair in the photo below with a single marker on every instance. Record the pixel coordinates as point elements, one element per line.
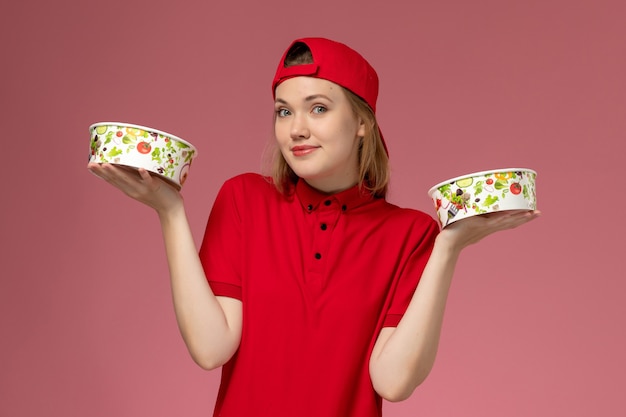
<point>373,160</point>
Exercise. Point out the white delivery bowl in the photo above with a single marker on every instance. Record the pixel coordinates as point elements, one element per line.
<point>484,192</point>
<point>142,147</point>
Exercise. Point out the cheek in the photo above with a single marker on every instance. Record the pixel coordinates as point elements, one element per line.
<point>280,133</point>
<point>282,142</point>
<point>350,126</point>
<point>350,133</point>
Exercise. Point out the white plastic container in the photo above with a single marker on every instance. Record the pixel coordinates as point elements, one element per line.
<point>142,147</point>
<point>484,192</point>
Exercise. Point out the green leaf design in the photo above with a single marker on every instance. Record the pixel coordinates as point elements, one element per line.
<point>156,155</point>
<point>182,145</point>
<point>490,200</point>
<point>478,187</point>
<point>500,185</point>
<point>114,152</point>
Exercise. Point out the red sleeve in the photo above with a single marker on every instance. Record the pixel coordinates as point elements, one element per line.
<point>411,273</point>
<point>220,249</point>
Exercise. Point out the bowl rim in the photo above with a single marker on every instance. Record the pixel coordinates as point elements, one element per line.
<point>146,128</point>
<point>477,174</point>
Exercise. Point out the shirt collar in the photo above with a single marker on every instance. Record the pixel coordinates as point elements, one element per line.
<point>310,198</point>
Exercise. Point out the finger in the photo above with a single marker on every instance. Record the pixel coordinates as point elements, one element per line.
<point>524,215</point>
<point>516,219</point>
<point>120,177</point>
<point>113,175</point>
<point>99,170</point>
<point>156,181</point>
<point>94,168</point>
<point>503,214</point>
<point>148,178</point>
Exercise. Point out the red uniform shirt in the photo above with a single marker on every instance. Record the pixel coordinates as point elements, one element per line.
<point>318,277</point>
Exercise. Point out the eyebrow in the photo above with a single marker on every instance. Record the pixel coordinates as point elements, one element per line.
<point>307,98</point>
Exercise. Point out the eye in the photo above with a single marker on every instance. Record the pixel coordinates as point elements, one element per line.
<point>319,109</point>
<point>283,112</point>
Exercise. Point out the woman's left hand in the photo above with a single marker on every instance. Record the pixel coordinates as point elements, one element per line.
<point>468,231</point>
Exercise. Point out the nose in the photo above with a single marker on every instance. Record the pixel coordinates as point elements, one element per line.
<point>299,128</point>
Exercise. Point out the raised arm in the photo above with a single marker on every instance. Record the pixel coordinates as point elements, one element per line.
<point>210,325</point>
<point>403,356</point>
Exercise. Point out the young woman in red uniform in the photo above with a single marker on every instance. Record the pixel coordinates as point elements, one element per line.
<point>305,289</point>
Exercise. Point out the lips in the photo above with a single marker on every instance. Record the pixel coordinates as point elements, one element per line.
<point>303,150</point>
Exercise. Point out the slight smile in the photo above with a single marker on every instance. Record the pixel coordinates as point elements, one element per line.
<point>303,150</point>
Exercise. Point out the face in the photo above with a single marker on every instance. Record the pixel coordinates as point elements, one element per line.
<point>318,133</point>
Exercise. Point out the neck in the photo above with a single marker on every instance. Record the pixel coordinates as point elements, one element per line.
<point>328,187</point>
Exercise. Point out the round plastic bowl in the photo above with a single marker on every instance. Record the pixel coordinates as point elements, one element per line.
<point>142,147</point>
<point>484,192</point>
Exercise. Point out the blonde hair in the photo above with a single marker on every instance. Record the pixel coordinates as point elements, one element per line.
<point>373,166</point>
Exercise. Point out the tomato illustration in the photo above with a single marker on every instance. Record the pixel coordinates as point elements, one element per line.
<point>144,147</point>
<point>515,188</point>
<point>489,181</point>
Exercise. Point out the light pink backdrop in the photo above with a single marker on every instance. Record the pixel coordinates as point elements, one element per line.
<point>535,324</point>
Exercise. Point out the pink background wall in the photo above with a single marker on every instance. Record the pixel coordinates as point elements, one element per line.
<point>535,324</point>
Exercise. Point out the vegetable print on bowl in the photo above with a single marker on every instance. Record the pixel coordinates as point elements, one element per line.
<point>484,192</point>
<point>142,147</point>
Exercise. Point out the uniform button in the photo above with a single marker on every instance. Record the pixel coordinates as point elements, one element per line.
<point>309,207</point>
<point>323,226</point>
<point>344,208</point>
<point>318,255</point>
<point>327,203</point>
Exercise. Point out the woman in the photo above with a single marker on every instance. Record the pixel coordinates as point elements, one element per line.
<point>305,289</point>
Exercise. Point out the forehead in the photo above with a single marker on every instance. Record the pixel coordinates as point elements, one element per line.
<point>302,87</point>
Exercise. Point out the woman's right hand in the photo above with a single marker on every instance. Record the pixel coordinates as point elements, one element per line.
<point>140,185</point>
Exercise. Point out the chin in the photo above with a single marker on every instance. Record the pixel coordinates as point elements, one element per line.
<point>306,171</point>
<point>306,175</point>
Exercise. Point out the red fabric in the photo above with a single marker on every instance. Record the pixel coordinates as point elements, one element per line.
<point>336,62</point>
<point>309,322</point>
